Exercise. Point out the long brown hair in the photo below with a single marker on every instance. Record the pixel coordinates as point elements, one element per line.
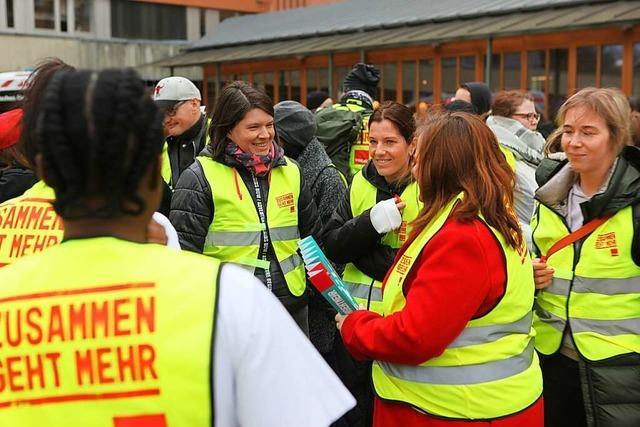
<point>457,153</point>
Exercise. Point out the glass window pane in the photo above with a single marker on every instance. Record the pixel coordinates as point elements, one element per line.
<point>426,80</point>
<point>323,78</point>
<point>244,77</point>
<point>558,69</point>
<point>83,12</point>
<point>448,75</point>
<point>495,72</point>
<point>268,84</point>
<point>211,94</point>
<point>43,12</point>
<point>137,20</point>
<point>467,69</point>
<point>536,78</point>
<point>63,16</point>
<point>312,78</point>
<point>512,70</point>
<point>611,66</point>
<point>295,85</point>
<point>636,69</point>
<point>586,63</point>
<point>10,17</point>
<point>283,86</point>
<point>389,78</point>
<point>409,82</point>
<point>339,74</point>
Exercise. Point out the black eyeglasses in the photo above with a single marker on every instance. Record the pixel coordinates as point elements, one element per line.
<point>174,109</point>
<point>529,116</point>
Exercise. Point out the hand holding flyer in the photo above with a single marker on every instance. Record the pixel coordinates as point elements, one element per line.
<point>324,278</point>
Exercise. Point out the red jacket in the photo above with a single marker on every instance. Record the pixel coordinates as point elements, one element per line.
<point>460,275</point>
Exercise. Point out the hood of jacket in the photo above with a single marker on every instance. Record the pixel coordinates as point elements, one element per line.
<point>556,179</point>
<point>480,96</point>
<point>526,145</point>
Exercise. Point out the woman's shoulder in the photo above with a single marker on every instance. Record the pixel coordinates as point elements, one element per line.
<point>473,233</point>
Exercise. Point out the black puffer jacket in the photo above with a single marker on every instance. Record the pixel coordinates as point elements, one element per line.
<point>192,212</point>
<point>348,239</point>
<point>183,149</point>
<point>14,181</point>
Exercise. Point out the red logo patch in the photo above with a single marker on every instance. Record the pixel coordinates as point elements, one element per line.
<point>158,89</point>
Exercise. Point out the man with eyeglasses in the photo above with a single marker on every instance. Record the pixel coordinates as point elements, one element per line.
<point>185,125</point>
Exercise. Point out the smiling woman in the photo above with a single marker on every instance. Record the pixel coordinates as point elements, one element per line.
<point>594,288</point>
<point>244,201</point>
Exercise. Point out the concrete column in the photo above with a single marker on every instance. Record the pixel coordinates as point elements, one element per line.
<point>101,19</point>
<point>211,20</point>
<point>193,24</point>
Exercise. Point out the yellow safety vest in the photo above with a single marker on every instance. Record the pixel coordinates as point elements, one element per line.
<point>99,332</point>
<point>236,230</point>
<point>359,153</point>
<point>599,288</point>
<point>28,224</point>
<point>365,290</point>
<point>165,169</point>
<point>508,154</point>
<point>491,369</point>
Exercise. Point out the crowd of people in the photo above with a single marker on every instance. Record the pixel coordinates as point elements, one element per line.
<point>150,272</point>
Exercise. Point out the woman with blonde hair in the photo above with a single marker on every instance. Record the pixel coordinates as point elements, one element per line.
<point>587,310</point>
<point>454,342</point>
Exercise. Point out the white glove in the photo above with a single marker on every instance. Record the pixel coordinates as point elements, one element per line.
<point>385,216</point>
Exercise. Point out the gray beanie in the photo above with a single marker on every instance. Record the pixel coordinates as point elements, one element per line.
<point>294,123</point>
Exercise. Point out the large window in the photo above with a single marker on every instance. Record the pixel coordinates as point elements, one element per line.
<point>537,78</point>
<point>587,66</point>
<point>296,93</point>
<point>83,13</point>
<point>448,77</point>
<point>44,14</point>
<point>425,75</point>
<point>10,17</point>
<point>558,70</point>
<point>467,69</point>
<point>611,66</point>
<point>409,82</point>
<point>137,20</point>
<point>339,73</point>
<point>389,81</point>
<point>264,81</point>
<point>512,69</point>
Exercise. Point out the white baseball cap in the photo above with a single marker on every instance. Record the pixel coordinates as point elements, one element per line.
<point>172,90</point>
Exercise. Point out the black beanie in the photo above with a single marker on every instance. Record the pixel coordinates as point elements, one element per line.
<point>363,77</point>
<point>315,99</point>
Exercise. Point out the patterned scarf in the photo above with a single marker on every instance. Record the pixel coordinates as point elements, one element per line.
<point>259,165</point>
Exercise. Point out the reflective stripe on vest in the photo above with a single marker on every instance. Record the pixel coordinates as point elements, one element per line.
<point>477,374</point>
<point>600,294</point>
<point>104,328</point>
<point>236,231</point>
<point>363,196</point>
<point>28,224</point>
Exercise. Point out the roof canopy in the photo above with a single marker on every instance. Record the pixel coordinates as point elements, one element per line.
<point>374,24</point>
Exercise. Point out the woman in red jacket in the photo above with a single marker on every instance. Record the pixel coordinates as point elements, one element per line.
<point>454,345</point>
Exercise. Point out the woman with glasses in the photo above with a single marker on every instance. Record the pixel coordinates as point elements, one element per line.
<point>514,120</point>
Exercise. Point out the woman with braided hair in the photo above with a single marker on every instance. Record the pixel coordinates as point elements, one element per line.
<point>107,329</point>
<point>44,228</point>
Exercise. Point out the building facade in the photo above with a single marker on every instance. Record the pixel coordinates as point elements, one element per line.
<point>115,33</point>
<point>426,48</point>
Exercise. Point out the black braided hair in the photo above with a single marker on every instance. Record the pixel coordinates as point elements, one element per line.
<point>98,133</point>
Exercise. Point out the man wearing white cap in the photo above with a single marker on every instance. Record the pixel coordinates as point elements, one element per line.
<point>185,125</point>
